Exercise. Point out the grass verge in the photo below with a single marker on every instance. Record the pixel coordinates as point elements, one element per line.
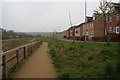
<point>10,44</point>
<point>84,59</point>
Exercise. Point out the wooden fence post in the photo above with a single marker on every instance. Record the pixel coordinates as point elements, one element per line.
<point>4,67</point>
<point>31,48</point>
<point>17,55</point>
<point>35,45</point>
<point>24,52</point>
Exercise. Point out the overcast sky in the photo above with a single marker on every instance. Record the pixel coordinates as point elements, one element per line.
<point>43,16</point>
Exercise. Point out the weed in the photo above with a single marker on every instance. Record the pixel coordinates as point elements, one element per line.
<point>64,75</point>
<point>84,59</point>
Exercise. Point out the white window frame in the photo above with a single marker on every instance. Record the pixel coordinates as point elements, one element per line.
<point>118,17</point>
<point>106,30</point>
<point>110,29</point>
<point>118,32</point>
<point>107,19</point>
<point>92,24</point>
<point>87,33</point>
<point>110,19</point>
<point>114,29</point>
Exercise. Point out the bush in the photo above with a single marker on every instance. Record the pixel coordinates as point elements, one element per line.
<point>85,60</point>
<point>110,68</point>
<point>57,64</point>
<point>107,44</point>
<point>64,75</point>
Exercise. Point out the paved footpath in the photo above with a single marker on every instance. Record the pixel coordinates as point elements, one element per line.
<point>39,65</point>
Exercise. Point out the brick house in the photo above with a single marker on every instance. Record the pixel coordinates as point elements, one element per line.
<point>81,31</point>
<point>88,29</point>
<point>96,29</point>
<point>77,32</point>
<point>113,24</point>
<point>61,34</point>
<point>67,34</point>
<point>112,27</point>
<point>70,33</point>
<point>99,29</point>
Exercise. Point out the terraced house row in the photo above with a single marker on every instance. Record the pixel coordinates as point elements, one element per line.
<point>95,29</point>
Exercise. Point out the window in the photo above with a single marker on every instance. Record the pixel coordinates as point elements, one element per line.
<point>117,30</point>
<point>92,24</point>
<point>110,19</point>
<point>106,30</point>
<point>83,33</point>
<point>87,33</point>
<point>91,32</point>
<point>87,25</point>
<point>110,29</point>
<point>107,19</point>
<point>84,25</point>
<point>114,29</point>
<point>118,16</point>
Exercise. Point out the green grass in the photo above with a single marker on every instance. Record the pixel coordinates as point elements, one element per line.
<point>80,59</point>
<point>84,59</point>
<point>10,44</point>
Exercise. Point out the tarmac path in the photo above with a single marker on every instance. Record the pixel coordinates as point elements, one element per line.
<point>39,65</point>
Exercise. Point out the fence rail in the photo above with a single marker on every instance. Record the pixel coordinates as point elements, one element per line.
<point>10,59</point>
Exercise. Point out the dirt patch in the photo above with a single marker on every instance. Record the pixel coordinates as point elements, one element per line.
<point>39,65</point>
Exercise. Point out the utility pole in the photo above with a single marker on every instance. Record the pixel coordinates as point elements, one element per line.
<point>85,21</point>
<point>70,19</point>
<point>71,26</point>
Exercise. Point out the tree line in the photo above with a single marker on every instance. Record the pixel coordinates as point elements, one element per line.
<point>11,34</point>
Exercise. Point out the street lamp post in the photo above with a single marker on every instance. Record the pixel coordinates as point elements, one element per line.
<point>73,27</point>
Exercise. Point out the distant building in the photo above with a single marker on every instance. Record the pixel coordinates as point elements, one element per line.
<point>62,34</point>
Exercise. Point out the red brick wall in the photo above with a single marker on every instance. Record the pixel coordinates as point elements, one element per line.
<point>99,29</point>
<point>114,23</point>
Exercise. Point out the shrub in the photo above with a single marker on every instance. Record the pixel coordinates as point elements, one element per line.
<point>85,60</point>
<point>57,64</point>
<point>64,75</point>
<point>110,68</point>
<point>107,44</point>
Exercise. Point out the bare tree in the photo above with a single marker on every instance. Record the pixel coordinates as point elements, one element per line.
<point>105,9</point>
